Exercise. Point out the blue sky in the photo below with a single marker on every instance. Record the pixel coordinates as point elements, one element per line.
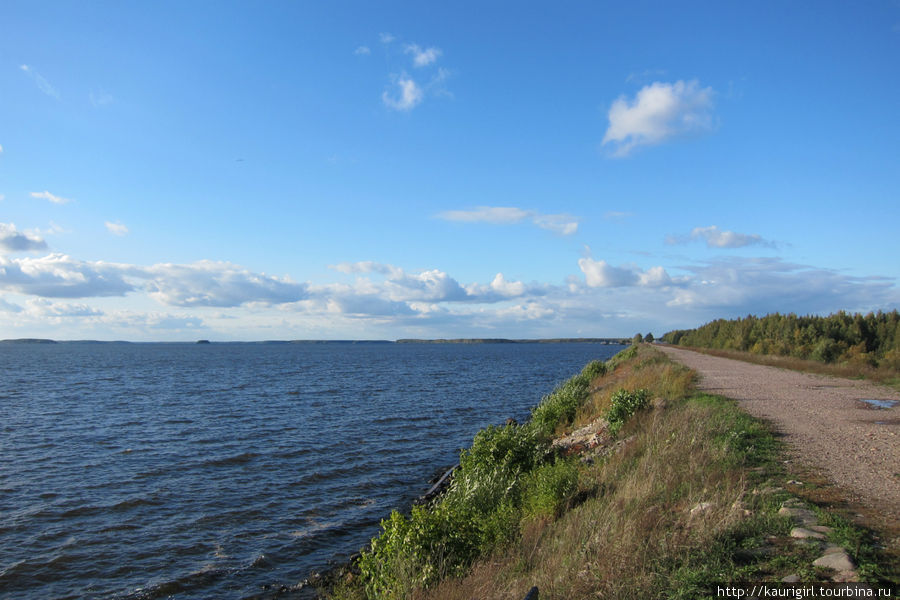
<point>284,170</point>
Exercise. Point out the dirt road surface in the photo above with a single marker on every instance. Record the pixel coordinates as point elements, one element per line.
<point>822,419</point>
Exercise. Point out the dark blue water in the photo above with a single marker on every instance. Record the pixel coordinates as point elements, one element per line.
<point>210,471</point>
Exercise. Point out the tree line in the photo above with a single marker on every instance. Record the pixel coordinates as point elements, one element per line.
<point>864,340</point>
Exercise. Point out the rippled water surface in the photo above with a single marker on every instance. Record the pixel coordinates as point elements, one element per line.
<point>201,471</point>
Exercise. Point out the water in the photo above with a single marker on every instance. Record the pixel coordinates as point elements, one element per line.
<point>880,404</point>
<point>200,471</point>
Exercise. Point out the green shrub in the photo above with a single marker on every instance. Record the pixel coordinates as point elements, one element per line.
<point>624,355</point>
<point>417,551</point>
<point>512,448</point>
<point>624,405</point>
<point>594,369</point>
<point>548,489</point>
<point>560,406</point>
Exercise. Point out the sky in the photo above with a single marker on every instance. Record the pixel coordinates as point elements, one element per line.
<point>381,170</point>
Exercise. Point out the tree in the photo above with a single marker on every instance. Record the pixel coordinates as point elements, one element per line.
<point>649,338</point>
<point>637,339</point>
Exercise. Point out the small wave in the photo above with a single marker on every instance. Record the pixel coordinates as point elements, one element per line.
<point>237,459</point>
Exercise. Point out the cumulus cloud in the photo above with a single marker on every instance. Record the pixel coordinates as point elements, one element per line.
<point>60,276</point>
<point>13,240</point>
<point>422,57</point>
<point>406,96</point>
<point>40,307</point>
<point>562,224</point>
<point>45,195</point>
<point>717,238</point>
<point>659,112</point>
<point>738,286</point>
<point>362,51</point>
<point>599,273</point>
<point>116,228</point>
<point>41,83</point>
<point>386,38</point>
<point>211,283</point>
<point>430,286</point>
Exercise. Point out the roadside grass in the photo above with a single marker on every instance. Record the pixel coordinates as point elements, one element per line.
<point>689,498</point>
<point>883,375</point>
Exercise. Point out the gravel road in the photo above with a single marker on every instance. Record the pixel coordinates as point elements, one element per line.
<point>822,419</point>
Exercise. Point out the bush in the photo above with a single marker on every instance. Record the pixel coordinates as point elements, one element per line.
<point>512,448</point>
<point>559,407</point>
<point>548,489</point>
<point>594,369</point>
<point>624,405</point>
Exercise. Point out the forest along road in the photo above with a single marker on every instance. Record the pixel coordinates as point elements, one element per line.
<point>822,419</point>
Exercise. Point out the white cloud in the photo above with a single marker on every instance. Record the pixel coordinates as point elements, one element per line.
<point>42,83</point>
<point>362,51</point>
<point>507,288</point>
<point>59,276</point>
<point>41,307</point>
<point>409,95</point>
<point>13,240</point>
<point>116,228</point>
<point>738,286</point>
<point>2,197</point>
<point>563,224</point>
<point>432,285</point>
<point>1,149</point>
<point>716,238</point>
<point>422,57</point>
<point>659,112</point>
<point>366,266</point>
<point>211,283</point>
<point>51,197</point>
<point>599,273</point>
<point>386,38</point>
<point>497,215</point>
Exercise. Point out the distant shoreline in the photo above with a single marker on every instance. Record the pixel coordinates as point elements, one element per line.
<point>607,341</point>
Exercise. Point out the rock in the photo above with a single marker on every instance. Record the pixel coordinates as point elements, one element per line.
<point>793,578</point>
<point>821,528</point>
<point>839,561</point>
<point>803,515</point>
<point>832,548</point>
<point>802,533</point>
<point>846,577</point>
<point>794,482</point>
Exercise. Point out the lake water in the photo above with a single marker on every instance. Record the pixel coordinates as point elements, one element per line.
<point>210,471</point>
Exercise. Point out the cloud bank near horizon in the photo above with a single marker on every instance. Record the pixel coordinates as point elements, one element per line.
<point>376,299</point>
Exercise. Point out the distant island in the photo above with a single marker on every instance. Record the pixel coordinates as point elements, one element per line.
<point>28,341</point>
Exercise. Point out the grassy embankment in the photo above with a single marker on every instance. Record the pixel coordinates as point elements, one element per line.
<point>683,492</point>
